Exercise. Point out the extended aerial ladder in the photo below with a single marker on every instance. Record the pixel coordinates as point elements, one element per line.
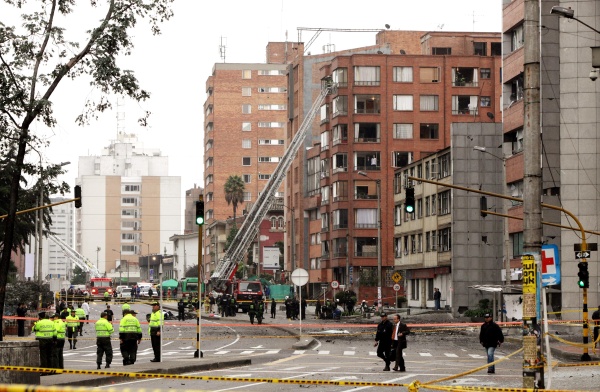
<point>228,264</point>
<point>76,257</point>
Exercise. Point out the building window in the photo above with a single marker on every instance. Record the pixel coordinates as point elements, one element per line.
<point>272,90</point>
<point>325,141</point>
<point>427,210</point>
<point>367,132</point>
<point>272,142</point>
<point>271,72</point>
<point>246,109</point>
<point>340,77</point>
<point>247,178</point>
<point>441,51</point>
<point>246,74</point>
<point>246,126</point>
<point>429,131</point>
<point>445,240</point>
<point>444,165</point>
<point>264,176</point>
<point>398,215</point>
<point>272,107</point>
<point>485,73</point>
<point>340,134</point>
<point>480,48</point>
<point>429,74</point>
<point>269,159</point>
<point>516,88</point>
<point>340,219</point>
<point>340,106</point>
<point>403,131</point>
<point>246,161</point>
<point>247,196</point>
<point>401,158</point>
<point>517,38</point>
<point>414,289</point>
<point>486,102</point>
<point>367,76</point>
<point>403,74</point>
<point>246,143</point>
<point>465,104</point>
<point>403,102</point>
<point>516,239</point>
<point>419,208</point>
<point>429,103</point>
<point>516,140</point>
<point>324,113</point>
<point>465,77</point>
<point>367,104</point>
<point>365,218</point>
<point>496,48</point>
<point>444,204</point>
<point>398,247</point>
<point>516,189</point>
<point>246,91</point>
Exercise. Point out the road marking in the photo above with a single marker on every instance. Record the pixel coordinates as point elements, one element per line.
<point>257,346</point>
<point>349,352</point>
<point>221,352</point>
<point>323,352</point>
<point>294,368</point>
<point>372,353</point>
<point>272,351</point>
<point>476,356</point>
<point>246,352</point>
<point>451,355</point>
<point>298,352</point>
<point>425,354</point>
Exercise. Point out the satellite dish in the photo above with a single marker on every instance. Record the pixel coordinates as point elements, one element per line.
<point>402,51</point>
<point>387,26</point>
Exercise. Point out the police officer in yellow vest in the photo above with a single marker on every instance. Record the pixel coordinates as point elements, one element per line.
<point>61,331</point>
<point>130,335</point>
<point>72,326</point>
<point>125,307</point>
<point>106,297</point>
<point>103,331</point>
<point>45,334</point>
<point>81,315</point>
<point>156,320</point>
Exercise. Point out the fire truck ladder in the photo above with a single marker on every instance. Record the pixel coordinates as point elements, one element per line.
<point>228,264</point>
<point>76,257</point>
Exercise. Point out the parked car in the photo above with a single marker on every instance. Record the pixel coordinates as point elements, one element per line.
<point>123,293</point>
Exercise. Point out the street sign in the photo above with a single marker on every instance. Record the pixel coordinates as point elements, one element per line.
<point>396,277</point>
<point>300,277</point>
<point>582,255</point>
<point>324,286</point>
<point>550,265</point>
<point>335,284</point>
<point>396,287</point>
<point>593,246</point>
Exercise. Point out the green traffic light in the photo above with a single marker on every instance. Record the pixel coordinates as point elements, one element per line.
<point>581,283</point>
<point>410,209</point>
<point>200,220</point>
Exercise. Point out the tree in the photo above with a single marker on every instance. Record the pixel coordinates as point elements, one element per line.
<point>191,272</point>
<point>36,58</point>
<point>78,276</point>
<point>234,193</point>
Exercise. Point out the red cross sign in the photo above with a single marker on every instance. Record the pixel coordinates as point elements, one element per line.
<point>550,265</point>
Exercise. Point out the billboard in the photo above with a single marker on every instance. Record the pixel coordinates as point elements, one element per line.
<point>271,257</point>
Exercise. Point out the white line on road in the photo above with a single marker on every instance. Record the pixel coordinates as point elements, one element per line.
<point>349,352</point>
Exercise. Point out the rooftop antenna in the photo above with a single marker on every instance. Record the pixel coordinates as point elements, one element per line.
<point>441,26</point>
<point>223,47</point>
<point>120,119</point>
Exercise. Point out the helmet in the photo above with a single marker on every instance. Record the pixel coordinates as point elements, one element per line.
<point>287,297</point>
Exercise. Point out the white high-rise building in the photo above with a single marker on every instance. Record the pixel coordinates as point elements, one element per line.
<point>131,206</point>
<point>55,263</point>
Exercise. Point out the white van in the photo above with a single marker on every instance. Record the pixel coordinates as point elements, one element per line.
<point>144,288</point>
<point>123,293</point>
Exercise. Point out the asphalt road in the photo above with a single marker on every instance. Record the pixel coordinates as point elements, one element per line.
<point>430,356</point>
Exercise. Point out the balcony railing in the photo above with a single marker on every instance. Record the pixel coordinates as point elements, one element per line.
<point>341,253</point>
<point>366,225</point>
<point>367,167</point>
<point>364,196</point>
<point>340,226</point>
<point>367,140</point>
<point>365,254</point>
<point>367,82</point>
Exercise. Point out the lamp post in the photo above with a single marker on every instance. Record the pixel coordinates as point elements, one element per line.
<point>507,278</point>
<point>379,283</point>
<point>569,14</point>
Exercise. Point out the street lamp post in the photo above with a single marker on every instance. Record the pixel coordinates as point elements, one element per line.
<point>379,282</point>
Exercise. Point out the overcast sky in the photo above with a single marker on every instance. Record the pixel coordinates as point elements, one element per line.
<point>174,66</point>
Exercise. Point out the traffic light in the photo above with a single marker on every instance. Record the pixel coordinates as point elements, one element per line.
<point>584,276</point>
<point>200,213</point>
<point>483,206</point>
<point>409,205</point>
<point>77,196</point>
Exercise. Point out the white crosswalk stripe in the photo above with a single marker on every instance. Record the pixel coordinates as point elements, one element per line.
<point>221,352</point>
<point>425,354</point>
<point>298,352</point>
<point>349,352</point>
<point>323,352</point>
<point>451,355</point>
<point>272,352</point>
<point>246,352</point>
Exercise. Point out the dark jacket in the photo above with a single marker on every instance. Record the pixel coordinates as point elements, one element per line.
<point>490,335</point>
<point>404,330</point>
<point>384,332</point>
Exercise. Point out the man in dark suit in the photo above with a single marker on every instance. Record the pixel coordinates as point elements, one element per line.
<point>399,342</point>
<point>383,339</point>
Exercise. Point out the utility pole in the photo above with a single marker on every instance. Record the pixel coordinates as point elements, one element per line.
<point>532,191</point>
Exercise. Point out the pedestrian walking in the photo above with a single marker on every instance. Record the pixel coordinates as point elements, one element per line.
<point>21,313</point>
<point>490,337</point>
<point>207,303</point>
<point>86,308</point>
<point>72,326</point>
<point>80,313</point>
<point>45,334</point>
<point>273,307</point>
<point>401,330</point>
<point>437,298</point>
<point>150,293</point>
<point>58,361</point>
<point>180,310</point>
<point>303,309</point>
<point>154,326</point>
<point>130,335</point>
<point>104,330</point>
<point>109,314</point>
<point>383,340</point>
<point>596,318</point>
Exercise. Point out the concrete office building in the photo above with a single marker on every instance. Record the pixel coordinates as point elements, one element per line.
<point>131,206</point>
<point>55,262</point>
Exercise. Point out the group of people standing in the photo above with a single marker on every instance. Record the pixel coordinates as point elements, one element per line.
<point>53,329</point>
<point>295,309</point>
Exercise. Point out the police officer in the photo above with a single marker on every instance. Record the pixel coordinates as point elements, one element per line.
<point>273,307</point>
<point>154,326</point>
<point>125,307</point>
<point>252,311</point>
<point>103,331</point>
<point>45,334</point>
<point>61,331</point>
<point>106,297</point>
<point>232,306</point>
<point>80,313</point>
<point>260,310</point>
<point>130,335</point>
<point>181,310</point>
<point>72,325</point>
<point>225,305</point>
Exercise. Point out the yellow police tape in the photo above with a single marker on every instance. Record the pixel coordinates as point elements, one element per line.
<point>202,378</point>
